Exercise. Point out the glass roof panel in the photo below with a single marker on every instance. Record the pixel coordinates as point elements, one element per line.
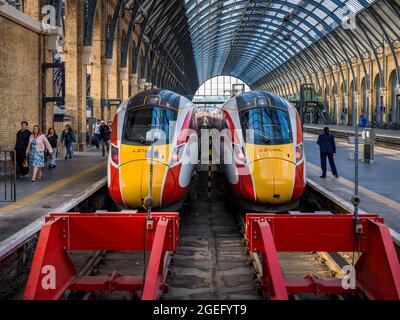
<point>228,36</point>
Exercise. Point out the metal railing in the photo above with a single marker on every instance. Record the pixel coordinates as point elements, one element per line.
<point>8,188</point>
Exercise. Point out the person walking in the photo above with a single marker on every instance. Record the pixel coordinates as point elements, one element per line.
<point>104,137</point>
<point>363,121</point>
<point>21,143</point>
<point>110,130</point>
<point>327,148</point>
<point>67,138</point>
<point>87,135</point>
<point>96,133</point>
<point>37,145</point>
<point>53,139</point>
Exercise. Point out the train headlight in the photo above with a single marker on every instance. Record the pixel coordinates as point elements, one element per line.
<point>240,157</point>
<point>177,154</point>
<point>114,154</point>
<point>299,152</point>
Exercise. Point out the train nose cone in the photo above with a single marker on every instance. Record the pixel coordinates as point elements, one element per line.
<point>273,180</point>
<point>135,182</point>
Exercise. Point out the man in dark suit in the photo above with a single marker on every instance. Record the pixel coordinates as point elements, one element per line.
<point>327,148</point>
<point>21,144</point>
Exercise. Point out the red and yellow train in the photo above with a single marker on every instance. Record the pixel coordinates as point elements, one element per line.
<point>264,134</point>
<point>168,117</point>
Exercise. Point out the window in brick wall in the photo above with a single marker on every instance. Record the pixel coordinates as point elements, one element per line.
<point>19,4</point>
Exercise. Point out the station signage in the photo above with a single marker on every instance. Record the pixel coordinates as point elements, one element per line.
<point>311,104</point>
<point>110,102</point>
<point>114,102</point>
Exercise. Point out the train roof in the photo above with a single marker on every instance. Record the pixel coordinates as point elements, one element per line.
<point>156,97</point>
<point>257,99</point>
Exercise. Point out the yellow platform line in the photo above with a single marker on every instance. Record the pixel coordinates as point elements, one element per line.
<point>373,195</point>
<point>45,191</point>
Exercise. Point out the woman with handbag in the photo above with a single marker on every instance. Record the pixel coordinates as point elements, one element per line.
<point>37,145</point>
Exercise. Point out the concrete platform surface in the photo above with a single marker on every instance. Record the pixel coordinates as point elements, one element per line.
<point>36,199</point>
<point>379,182</point>
<point>379,132</point>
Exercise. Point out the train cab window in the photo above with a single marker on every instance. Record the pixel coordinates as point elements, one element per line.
<point>141,120</point>
<point>270,125</point>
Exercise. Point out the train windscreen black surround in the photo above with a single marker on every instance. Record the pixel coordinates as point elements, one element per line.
<point>141,120</point>
<point>271,126</point>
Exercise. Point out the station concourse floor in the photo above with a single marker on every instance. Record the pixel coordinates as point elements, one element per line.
<point>36,199</point>
<point>379,182</point>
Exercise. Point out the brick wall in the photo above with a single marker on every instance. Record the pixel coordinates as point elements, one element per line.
<point>19,79</point>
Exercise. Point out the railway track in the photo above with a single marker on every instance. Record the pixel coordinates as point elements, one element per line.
<point>212,261</point>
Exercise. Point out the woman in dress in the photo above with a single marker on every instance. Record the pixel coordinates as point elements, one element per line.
<point>37,145</point>
<point>53,139</point>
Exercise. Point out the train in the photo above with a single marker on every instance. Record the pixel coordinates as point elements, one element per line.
<point>153,147</point>
<point>263,134</point>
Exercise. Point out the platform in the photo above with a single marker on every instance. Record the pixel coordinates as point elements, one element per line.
<point>387,133</point>
<point>59,185</point>
<point>384,137</point>
<point>379,182</point>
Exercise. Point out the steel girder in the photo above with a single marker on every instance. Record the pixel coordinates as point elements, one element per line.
<point>372,25</point>
<point>168,36</point>
<point>128,39</point>
<point>230,33</point>
<point>110,36</point>
<point>89,19</point>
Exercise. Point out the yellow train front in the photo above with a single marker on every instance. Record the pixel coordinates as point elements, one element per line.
<point>152,130</point>
<point>262,144</point>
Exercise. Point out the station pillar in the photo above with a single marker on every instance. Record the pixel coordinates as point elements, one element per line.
<point>33,8</point>
<point>98,78</point>
<point>148,85</point>
<point>384,101</point>
<point>142,84</point>
<point>123,75</point>
<point>133,83</point>
<point>113,84</point>
<point>75,75</point>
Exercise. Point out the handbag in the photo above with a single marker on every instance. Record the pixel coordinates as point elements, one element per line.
<point>25,164</point>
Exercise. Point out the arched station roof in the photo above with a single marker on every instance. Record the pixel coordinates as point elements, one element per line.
<point>249,38</point>
<point>265,43</point>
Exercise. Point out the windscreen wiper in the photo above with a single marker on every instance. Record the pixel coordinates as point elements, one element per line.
<point>264,139</point>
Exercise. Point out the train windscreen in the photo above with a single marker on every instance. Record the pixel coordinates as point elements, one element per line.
<point>140,121</point>
<point>271,126</point>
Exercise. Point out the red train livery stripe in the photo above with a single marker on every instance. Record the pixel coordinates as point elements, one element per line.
<point>172,191</point>
<point>114,133</point>
<point>299,184</point>
<point>184,134</point>
<point>247,188</point>
<point>114,188</point>
<point>299,138</point>
<point>244,188</point>
<point>231,127</point>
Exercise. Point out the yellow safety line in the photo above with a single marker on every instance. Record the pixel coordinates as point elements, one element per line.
<point>375,196</point>
<point>45,191</point>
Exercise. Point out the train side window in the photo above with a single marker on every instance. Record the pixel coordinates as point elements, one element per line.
<point>141,120</point>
